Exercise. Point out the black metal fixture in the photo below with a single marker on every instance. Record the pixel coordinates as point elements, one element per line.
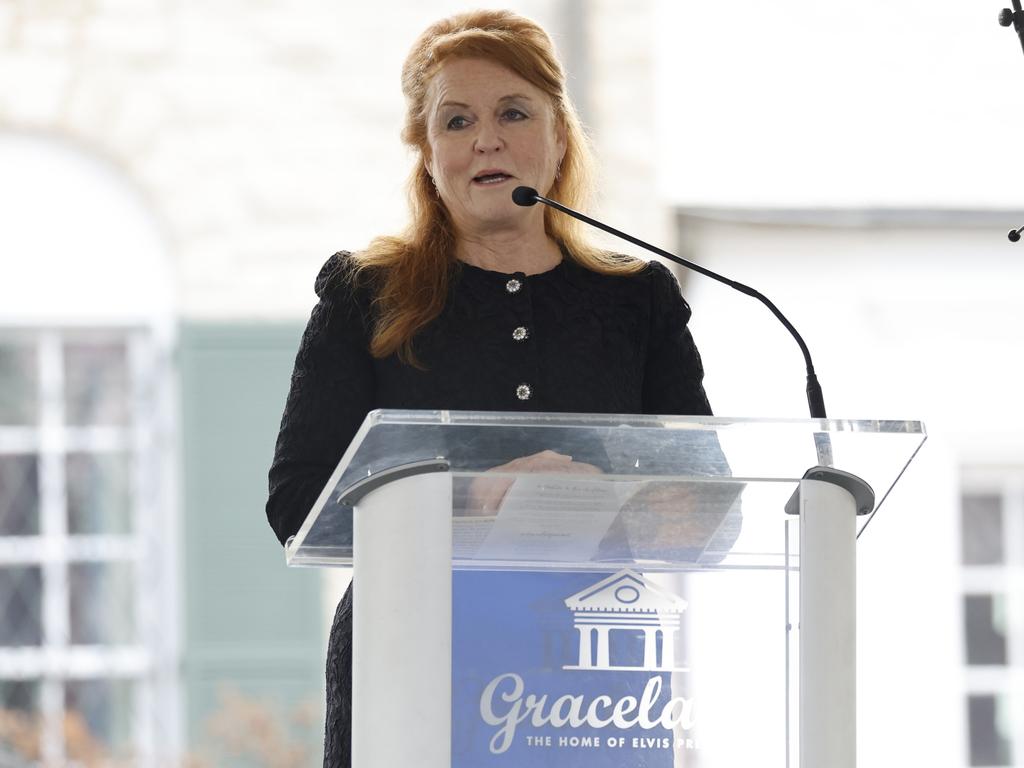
<point>1006,18</point>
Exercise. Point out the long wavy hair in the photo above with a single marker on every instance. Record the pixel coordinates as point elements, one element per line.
<point>412,272</point>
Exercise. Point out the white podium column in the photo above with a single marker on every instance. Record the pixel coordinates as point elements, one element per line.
<point>828,572</point>
<point>402,625</point>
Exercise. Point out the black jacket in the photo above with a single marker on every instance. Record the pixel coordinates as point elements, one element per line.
<point>568,340</point>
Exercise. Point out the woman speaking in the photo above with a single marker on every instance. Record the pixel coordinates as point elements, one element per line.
<point>480,304</point>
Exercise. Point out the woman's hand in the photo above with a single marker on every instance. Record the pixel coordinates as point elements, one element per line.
<point>669,515</point>
<point>485,494</point>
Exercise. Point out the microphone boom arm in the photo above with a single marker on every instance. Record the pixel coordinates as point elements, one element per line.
<point>815,398</point>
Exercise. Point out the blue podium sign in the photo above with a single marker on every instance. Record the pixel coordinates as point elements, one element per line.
<point>568,669</point>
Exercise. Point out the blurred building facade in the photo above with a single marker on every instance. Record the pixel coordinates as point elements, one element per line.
<point>173,175</point>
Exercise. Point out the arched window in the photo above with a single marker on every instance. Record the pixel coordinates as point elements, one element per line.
<point>87,542</point>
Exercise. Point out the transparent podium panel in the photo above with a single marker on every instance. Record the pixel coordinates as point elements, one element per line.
<point>649,492</point>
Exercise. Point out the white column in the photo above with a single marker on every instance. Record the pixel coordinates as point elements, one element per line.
<point>828,572</point>
<point>402,624</point>
<point>585,652</point>
<point>668,647</point>
<point>650,647</point>
<point>602,646</point>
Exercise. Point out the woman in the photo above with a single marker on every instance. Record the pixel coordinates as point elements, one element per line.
<point>481,304</point>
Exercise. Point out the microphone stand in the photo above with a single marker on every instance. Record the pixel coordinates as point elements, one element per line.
<point>815,400</point>
<point>1015,17</point>
<point>1006,18</point>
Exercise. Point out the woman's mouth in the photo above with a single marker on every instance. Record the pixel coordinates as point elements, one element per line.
<point>491,177</point>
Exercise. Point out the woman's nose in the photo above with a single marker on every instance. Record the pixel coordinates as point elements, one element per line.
<point>488,138</point>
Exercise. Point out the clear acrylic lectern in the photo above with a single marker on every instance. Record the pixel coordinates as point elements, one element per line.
<point>681,593</point>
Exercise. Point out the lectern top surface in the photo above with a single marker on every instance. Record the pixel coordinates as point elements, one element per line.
<point>642,490</point>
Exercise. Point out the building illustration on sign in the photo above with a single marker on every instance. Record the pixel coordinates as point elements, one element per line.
<point>643,619</point>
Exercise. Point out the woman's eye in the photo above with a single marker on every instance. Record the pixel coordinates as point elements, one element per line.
<point>513,114</point>
<point>456,123</point>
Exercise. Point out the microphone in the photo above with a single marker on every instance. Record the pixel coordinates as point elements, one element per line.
<point>1013,235</point>
<point>527,196</point>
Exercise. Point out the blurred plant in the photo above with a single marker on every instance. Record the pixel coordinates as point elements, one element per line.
<point>254,732</point>
<point>21,739</point>
<point>243,730</point>
<point>19,736</point>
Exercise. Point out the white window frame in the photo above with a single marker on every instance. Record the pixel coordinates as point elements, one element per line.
<point>1007,580</point>
<point>151,662</point>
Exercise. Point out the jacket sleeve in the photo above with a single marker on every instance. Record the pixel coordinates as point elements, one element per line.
<point>673,375</point>
<point>673,385</point>
<point>332,389</point>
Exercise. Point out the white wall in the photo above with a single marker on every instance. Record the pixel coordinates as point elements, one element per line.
<point>903,323</point>
<point>870,103</point>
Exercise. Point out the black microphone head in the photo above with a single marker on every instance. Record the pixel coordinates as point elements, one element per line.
<point>525,196</point>
<point>1013,235</point>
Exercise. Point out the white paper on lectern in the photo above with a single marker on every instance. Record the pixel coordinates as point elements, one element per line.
<point>469,534</point>
<point>554,518</point>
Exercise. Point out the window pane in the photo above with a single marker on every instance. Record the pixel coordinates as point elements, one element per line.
<point>99,493</point>
<point>99,718</point>
<point>988,731</point>
<point>985,629</point>
<point>21,592</point>
<point>981,521</point>
<point>19,719</point>
<point>19,495</point>
<point>96,383</point>
<point>102,603</point>
<point>19,385</point>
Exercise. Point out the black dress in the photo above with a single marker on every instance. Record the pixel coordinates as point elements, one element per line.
<point>568,340</point>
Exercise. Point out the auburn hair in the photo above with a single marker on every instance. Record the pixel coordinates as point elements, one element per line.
<point>412,272</point>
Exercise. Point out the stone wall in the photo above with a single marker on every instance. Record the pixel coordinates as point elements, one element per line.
<point>264,135</point>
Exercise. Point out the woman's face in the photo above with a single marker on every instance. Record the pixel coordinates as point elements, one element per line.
<point>488,132</point>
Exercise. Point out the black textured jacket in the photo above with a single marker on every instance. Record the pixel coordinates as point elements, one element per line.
<point>568,340</point>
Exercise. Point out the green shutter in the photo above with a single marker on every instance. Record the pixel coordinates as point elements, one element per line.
<point>252,626</point>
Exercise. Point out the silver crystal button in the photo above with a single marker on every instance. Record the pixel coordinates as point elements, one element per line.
<point>523,392</point>
<point>513,285</point>
<point>520,333</point>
